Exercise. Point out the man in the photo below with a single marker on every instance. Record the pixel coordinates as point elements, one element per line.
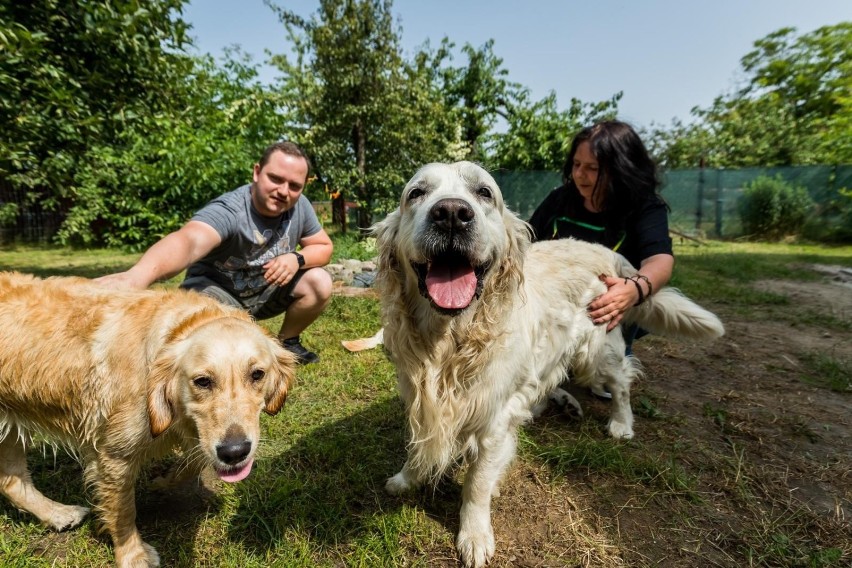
<point>240,248</point>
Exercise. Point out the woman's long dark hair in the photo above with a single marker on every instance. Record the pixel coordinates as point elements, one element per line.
<point>627,175</point>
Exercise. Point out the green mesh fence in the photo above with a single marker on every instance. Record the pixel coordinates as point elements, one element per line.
<point>523,191</point>
<point>702,201</point>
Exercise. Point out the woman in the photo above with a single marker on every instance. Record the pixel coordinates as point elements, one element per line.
<point>609,196</point>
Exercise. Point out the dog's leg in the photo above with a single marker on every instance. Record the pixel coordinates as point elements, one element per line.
<point>616,371</point>
<point>568,404</point>
<point>183,470</point>
<point>114,481</point>
<point>17,486</point>
<point>619,372</point>
<point>475,541</point>
<point>406,480</point>
<point>621,419</point>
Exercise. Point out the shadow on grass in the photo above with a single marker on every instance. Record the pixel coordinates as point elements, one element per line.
<point>329,487</point>
<point>84,271</point>
<point>168,519</point>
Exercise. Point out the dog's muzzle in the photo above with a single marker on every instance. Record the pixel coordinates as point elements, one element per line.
<point>234,453</point>
<point>451,277</point>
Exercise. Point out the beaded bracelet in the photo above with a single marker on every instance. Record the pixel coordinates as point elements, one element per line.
<point>635,277</point>
<point>638,289</point>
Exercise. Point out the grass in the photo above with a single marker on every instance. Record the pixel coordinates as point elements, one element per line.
<point>588,450</point>
<point>316,498</point>
<point>723,273</point>
<point>827,371</point>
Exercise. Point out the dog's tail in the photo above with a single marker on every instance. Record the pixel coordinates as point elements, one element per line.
<point>671,314</point>
<point>356,345</point>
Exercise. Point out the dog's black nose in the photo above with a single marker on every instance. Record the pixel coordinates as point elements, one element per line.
<point>233,452</point>
<point>452,214</point>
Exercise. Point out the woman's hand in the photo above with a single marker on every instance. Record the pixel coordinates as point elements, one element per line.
<point>621,294</point>
<point>609,307</point>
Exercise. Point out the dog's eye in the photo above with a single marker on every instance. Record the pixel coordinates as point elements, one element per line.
<point>484,191</point>
<point>257,374</point>
<point>203,382</point>
<point>415,193</point>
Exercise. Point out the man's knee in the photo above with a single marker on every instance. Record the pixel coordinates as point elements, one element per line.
<point>321,281</point>
<point>315,283</point>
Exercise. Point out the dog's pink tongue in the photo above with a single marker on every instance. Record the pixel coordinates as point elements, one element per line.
<point>451,287</point>
<point>232,476</point>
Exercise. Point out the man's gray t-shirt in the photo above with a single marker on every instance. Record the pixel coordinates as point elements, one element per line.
<point>249,240</point>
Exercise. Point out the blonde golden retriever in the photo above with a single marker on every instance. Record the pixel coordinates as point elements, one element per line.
<point>120,377</point>
<point>482,327</point>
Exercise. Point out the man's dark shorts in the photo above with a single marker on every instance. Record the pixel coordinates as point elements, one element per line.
<point>272,302</point>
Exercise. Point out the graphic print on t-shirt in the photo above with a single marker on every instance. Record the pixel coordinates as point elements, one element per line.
<point>246,274</point>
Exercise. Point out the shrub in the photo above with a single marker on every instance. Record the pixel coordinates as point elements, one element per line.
<point>772,208</point>
<point>833,224</point>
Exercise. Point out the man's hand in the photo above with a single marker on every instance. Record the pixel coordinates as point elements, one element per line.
<point>120,281</point>
<point>281,269</point>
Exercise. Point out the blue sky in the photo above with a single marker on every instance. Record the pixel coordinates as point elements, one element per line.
<point>667,56</point>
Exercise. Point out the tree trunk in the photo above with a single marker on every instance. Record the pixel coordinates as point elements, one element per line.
<point>338,211</point>
<point>360,143</point>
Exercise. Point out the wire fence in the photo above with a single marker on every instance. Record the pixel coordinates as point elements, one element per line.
<point>23,219</point>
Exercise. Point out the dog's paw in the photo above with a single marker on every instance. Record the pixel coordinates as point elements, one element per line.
<point>475,548</point>
<point>568,404</point>
<point>399,483</point>
<point>144,557</point>
<point>620,430</point>
<point>66,517</point>
<point>539,409</point>
<point>153,556</point>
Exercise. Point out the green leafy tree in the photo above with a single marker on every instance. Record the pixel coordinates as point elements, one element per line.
<point>166,165</point>
<point>368,117</point>
<point>106,119</point>
<point>75,74</point>
<point>501,126</point>
<point>539,135</point>
<point>677,146</point>
<point>480,92</point>
<point>793,109</point>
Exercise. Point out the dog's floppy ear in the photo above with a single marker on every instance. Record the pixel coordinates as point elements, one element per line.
<point>519,235</point>
<point>385,232</point>
<point>280,379</point>
<point>161,393</point>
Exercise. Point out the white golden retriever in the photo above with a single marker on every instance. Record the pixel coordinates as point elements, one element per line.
<point>482,326</point>
<point>119,377</point>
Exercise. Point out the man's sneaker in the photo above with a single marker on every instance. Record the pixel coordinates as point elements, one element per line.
<point>303,356</point>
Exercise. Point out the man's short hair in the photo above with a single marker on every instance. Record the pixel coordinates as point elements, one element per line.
<point>286,147</point>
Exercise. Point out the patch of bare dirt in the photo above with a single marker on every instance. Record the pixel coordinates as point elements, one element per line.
<point>833,296</point>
